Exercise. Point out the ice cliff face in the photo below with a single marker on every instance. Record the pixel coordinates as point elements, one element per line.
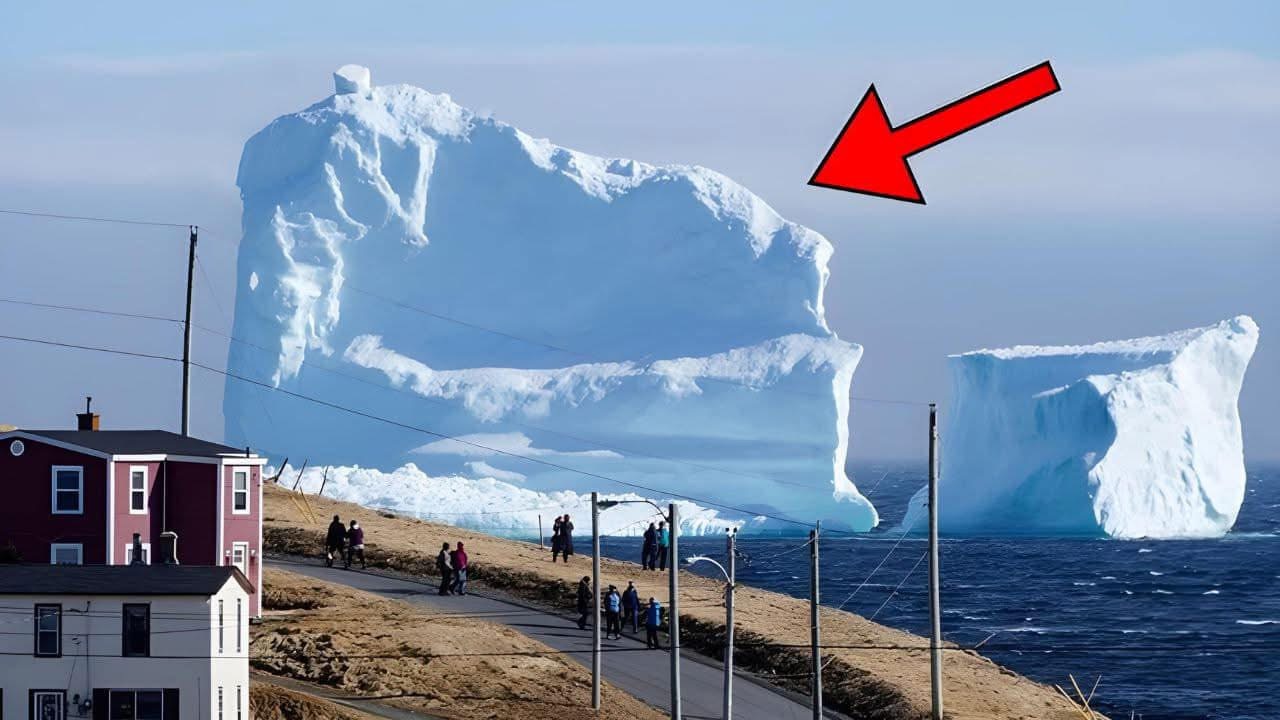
<point>658,325</point>
<point>1135,438</point>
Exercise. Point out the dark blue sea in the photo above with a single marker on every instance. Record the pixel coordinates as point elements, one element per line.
<point>1176,629</point>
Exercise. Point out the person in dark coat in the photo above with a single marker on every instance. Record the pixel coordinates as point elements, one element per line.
<point>335,541</point>
<point>460,565</point>
<point>355,544</point>
<point>444,563</point>
<point>649,550</point>
<point>584,601</point>
<point>566,538</point>
<point>557,540</point>
<point>652,621</point>
<point>631,607</point>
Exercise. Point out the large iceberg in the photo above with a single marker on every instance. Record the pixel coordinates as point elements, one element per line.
<point>1129,439</point>
<point>583,323</point>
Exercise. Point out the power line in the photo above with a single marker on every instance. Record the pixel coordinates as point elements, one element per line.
<point>86,218</point>
<point>415,428</point>
<point>96,311</point>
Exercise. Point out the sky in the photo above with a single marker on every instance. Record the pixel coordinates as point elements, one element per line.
<point>1141,199</point>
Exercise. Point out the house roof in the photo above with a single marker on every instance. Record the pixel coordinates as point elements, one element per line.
<point>137,442</point>
<point>201,580</point>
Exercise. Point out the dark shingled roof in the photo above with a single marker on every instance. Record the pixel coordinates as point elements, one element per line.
<point>138,442</point>
<point>202,580</point>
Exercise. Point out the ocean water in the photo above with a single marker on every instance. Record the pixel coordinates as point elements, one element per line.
<point>1174,628</point>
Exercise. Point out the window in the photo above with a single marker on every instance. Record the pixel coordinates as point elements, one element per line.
<point>240,492</point>
<point>239,555</point>
<point>239,615</point>
<point>135,631</point>
<point>239,713</point>
<point>48,635</point>
<point>219,702</point>
<point>48,704</point>
<point>68,490</point>
<point>66,554</point>
<point>136,705</point>
<point>220,626</point>
<point>128,553</point>
<point>138,490</point>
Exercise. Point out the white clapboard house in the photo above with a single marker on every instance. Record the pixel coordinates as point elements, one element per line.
<point>124,642</point>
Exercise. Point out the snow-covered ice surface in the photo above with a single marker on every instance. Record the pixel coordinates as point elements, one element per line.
<point>603,318</point>
<point>501,508</point>
<point>1134,438</point>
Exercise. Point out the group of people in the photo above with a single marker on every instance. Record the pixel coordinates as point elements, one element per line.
<point>562,538</point>
<point>657,542</point>
<point>343,542</point>
<point>452,565</point>
<point>619,609</point>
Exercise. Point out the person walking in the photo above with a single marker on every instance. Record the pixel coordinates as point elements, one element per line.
<point>631,607</point>
<point>444,563</point>
<point>664,543</point>
<point>335,541</point>
<point>652,621</point>
<point>557,541</point>
<point>566,538</point>
<point>613,613</point>
<point>650,548</point>
<point>460,565</point>
<point>584,601</point>
<point>355,544</point>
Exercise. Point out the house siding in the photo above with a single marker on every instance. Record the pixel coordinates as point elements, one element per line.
<point>26,516</point>
<point>243,528</point>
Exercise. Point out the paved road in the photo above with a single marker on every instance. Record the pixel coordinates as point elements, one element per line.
<point>644,674</point>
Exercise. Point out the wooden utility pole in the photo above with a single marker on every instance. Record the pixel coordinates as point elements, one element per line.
<point>935,601</point>
<point>186,337</point>
<point>595,604</point>
<point>815,634</point>
<point>673,622</point>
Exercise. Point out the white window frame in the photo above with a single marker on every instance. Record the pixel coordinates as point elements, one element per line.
<point>146,493</point>
<point>235,492</point>
<point>53,485</point>
<point>55,547</point>
<point>61,695</point>
<point>128,553</point>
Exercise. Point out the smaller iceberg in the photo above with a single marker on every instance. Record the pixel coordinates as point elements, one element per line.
<point>1128,439</point>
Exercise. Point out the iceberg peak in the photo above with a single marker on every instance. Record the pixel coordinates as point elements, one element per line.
<point>352,79</point>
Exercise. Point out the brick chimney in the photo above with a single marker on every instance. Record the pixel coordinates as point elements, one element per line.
<point>87,420</point>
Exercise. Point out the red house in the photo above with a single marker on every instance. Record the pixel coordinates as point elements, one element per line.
<point>78,497</point>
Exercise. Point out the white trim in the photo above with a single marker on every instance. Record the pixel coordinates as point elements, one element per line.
<point>146,488</point>
<point>128,548</point>
<point>248,499</point>
<point>158,457</point>
<point>54,443</point>
<point>153,457</point>
<point>257,586</point>
<point>234,546</point>
<point>222,481</point>
<point>55,547</point>
<point>111,511</point>
<point>53,490</point>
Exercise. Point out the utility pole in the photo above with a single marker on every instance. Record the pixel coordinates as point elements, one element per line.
<point>595,591</point>
<point>935,600</point>
<point>673,622</point>
<point>815,635</point>
<point>186,338</point>
<point>728,625</point>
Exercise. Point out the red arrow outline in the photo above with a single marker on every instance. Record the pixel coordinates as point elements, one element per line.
<point>872,93</point>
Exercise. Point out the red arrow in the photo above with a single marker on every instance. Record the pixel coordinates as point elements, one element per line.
<point>870,156</point>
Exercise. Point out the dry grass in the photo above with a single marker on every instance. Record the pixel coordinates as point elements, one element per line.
<point>271,702</point>
<point>412,656</point>
<point>874,684</point>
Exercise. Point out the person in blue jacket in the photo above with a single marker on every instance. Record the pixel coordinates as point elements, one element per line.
<point>613,614</point>
<point>652,621</point>
<point>664,544</point>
